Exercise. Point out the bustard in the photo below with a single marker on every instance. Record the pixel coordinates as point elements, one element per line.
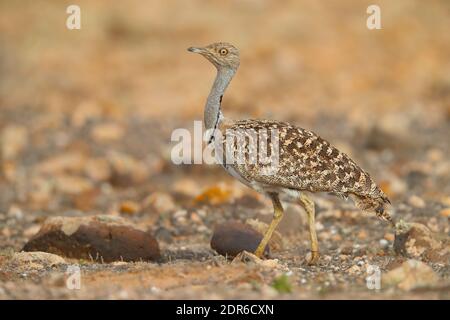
<point>307,163</point>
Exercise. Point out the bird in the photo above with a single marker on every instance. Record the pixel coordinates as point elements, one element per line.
<point>306,163</point>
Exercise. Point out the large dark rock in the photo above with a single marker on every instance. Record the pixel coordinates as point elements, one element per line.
<point>231,238</point>
<point>102,238</point>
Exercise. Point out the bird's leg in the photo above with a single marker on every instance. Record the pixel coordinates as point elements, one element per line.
<point>277,216</point>
<point>308,205</point>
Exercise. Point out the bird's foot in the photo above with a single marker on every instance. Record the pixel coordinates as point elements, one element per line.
<point>246,257</point>
<point>259,252</point>
<point>249,258</point>
<point>312,258</point>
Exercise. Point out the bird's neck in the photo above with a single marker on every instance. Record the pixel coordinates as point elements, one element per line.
<point>213,114</point>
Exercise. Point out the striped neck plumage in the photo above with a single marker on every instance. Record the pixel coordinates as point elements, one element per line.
<point>213,114</point>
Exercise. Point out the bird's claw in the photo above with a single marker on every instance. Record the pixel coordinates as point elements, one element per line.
<point>246,257</point>
<point>312,258</point>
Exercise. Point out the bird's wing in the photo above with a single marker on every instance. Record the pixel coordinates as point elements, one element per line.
<point>305,162</point>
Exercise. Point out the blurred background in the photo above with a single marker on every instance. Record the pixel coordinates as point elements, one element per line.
<point>86,115</point>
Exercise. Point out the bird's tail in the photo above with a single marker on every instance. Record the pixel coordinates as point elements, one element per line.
<point>381,206</point>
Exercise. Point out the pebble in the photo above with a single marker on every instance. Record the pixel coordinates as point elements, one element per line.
<point>15,212</point>
<point>27,261</point>
<point>72,184</point>
<point>162,202</point>
<point>319,226</point>
<point>389,237</point>
<point>412,274</point>
<point>417,241</point>
<point>98,169</point>
<point>343,256</point>
<point>107,132</point>
<point>129,207</point>
<point>354,269</point>
<point>445,213</point>
<point>126,170</point>
<point>214,195</point>
<point>13,140</point>
<point>362,235</point>
<point>231,238</point>
<point>416,201</point>
<point>384,243</point>
<point>180,214</point>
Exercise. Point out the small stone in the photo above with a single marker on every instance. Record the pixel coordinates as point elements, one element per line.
<point>412,274</point>
<point>271,264</point>
<point>336,238</point>
<point>186,186</point>
<point>31,231</point>
<point>354,269</point>
<point>72,184</point>
<point>41,190</point>
<point>347,250</point>
<point>446,201</point>
<point>389,236</point>
<point>319,226</point>
<point>343,257</point>
<point>26,261</point>
<point>73,162</point>
<point>415,240</point>
<point>126,170</point>
<point>384,243</point>
<point>362,235</point>
<point>86,201</point>
<point>160,201</point>
<point>180,214</point>
<point>85,111</point>
<point>416,201</point>
<point>202,229</point>
<point>98,169</point>
<point>231,238</point>
<point>445,212</point>
<point>103,238</point>
<point>13,140</point>
<point>107,132</point>
<point>246,257</point>
<point>15,212</point>
<point>214,195</point>
<point>195,218</point>
<point>129,207</point>
<point>6,232</point>
<point>163,234</point>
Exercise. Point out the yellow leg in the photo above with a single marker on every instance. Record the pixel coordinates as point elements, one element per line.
<point>308,205</point>
<point>277,216</point>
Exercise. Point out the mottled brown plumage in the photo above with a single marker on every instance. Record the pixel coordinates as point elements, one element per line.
<point>310,163</point>
<point>298,162</point>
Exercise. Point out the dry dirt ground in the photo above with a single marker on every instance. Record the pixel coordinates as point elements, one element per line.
<point>87,115</point>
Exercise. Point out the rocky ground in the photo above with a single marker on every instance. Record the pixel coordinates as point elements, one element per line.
<point>85,135</point>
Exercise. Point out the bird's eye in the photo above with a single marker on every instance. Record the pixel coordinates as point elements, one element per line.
<point>223,52</point>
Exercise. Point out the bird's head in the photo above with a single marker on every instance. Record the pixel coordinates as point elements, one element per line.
<point>221,54</point>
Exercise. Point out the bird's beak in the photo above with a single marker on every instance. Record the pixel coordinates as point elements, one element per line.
<point>196,50</point>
